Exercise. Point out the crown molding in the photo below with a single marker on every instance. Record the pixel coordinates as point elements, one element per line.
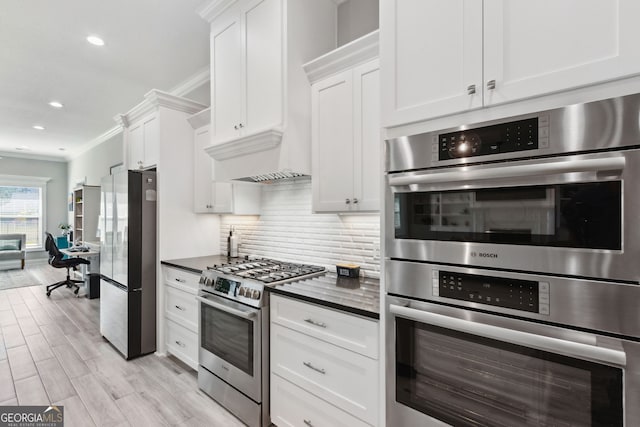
<point>347,56</point>
<point>210,10</point>
<point>254,143</point>
<point>30,156</point>
<point>200,119</point>
<point>192,83</point>
<point>155,99</point>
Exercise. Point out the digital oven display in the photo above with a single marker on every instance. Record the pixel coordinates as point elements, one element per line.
<point>502,138</point>
<point>226,286</point>
<point>497,291</point>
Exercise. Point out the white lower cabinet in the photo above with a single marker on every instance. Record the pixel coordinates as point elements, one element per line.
<point>332,384</point>
<point>182,343</point>
<point>181,314</point>
<point>292,406</point>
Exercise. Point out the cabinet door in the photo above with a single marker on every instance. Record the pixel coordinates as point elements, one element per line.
<point>263,65</point>
<point>430,52</point>
<point>151,141</point>
<point>367,142</point>
<point>202,171</point>
<point>135,146</point>
<point>226,79</point>
<point>532,48</point>
<point>332,143</point>
<point>222,197</point>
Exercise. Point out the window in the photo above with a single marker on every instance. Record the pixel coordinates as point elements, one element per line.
<point>22,210</point>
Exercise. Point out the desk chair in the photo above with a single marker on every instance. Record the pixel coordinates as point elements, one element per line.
<point>55,260</point>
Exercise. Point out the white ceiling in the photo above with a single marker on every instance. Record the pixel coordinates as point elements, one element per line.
<point>44,56</point>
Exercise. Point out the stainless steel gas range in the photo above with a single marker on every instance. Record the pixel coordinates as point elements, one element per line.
<point>234,332</point>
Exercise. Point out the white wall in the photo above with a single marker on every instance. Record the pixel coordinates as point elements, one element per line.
<point>57,195</point>
<point>287,230</point>
<point>93,164</point>
<point>357,18</point>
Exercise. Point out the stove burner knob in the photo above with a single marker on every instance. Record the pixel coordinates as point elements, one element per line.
<point>242,291</point>
<point>255,294</point>
<point>202,280</point>
<point>209,282</point>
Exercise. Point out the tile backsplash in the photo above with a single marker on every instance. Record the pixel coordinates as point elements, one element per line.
<point>287,230</point>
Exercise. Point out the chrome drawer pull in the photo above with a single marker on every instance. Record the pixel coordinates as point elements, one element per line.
<point>180,344</point>
<point>313,322</point>
<point>180,280</point>
<point>310,366</point>
<point>308,422</point>
<point>180,308</point>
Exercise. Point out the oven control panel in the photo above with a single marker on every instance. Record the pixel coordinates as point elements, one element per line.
<point>524,295</point>
<point>521,135</point>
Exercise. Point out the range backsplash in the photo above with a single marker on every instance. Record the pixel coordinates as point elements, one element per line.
<point>287,230</point>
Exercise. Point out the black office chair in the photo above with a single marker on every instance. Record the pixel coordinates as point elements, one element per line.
<point>55,260</point>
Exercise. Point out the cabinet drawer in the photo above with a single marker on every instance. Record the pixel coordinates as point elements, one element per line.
<point>348,331</point>
<point>181,307</point>
<point>292,406</point>
<point>182,343</point>
<point>181,278</point>
<point>341,377</point>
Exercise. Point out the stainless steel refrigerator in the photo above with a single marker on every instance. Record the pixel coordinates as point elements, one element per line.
<point>128,261</point>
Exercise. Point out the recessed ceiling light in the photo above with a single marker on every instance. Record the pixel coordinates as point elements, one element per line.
<point>95,40</point>
<point>56,104</point>
<point>38,127</point>
<point>23,148</point>
<point>61,148</point>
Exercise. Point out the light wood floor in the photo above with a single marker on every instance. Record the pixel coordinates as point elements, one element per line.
<point>51,351</point>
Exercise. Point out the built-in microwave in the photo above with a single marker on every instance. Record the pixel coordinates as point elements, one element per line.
<point>551,192</point>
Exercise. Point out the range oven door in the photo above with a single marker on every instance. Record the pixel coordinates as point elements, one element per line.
<point>564,215</point>
<point>231,343</point>
<point>452,366</point>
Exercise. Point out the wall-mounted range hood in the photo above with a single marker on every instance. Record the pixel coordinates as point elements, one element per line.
<point>263,156</point>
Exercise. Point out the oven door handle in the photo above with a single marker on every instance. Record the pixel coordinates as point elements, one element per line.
<point>526,339</point>
<point>240,313</point>
<point>499,172</point>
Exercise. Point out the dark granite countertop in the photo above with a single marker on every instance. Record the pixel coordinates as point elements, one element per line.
<point>359,296</point>
<point>197,264</point>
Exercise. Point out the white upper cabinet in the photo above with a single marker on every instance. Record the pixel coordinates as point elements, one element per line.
<point>210,196</point>
<point>445,56</point>
<point>144,132</point>
<point>345,139</point>
<point>260,97</point>
<point>532,48</point>
<point>143,143</point>
<point>430,58</point>
<point>247,69</point>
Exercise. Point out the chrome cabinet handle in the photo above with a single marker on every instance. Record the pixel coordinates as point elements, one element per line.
<point>313,322</point>
<point>355,201</point>
<point>240,125</point>
<point>235,127</point>
<point>180,344</point>
<point>310,366</point>
<point>180,308</point>
<point>491,84</point>
<point>308,422</point>
<point>180,280</point>
<point>347,201</point>
<point>471,89</point>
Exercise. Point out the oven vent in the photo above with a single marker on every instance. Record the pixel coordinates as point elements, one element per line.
<point>269,177</point>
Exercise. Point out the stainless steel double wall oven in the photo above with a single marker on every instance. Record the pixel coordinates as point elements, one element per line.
<point>513,269</point>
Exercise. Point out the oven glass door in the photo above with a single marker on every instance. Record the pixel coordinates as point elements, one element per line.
<point>468,380</point>
<point>577,215</point>
<point>229,337</point>
<point>230,343</point>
